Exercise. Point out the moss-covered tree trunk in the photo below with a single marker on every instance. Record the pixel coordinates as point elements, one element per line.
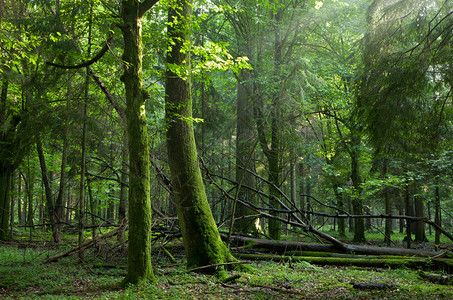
<point>139,248</point>
<point>202,241</point>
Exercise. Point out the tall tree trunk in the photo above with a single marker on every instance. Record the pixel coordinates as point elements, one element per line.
<point>274,154</point>
<point>19,199</point>
<point>340,204</point>
<point>5,185</point>
<point>387,205</point>
<point>293,181</point>
<point>437,216</point>
<point>81,208</point>
<point>48,192</point>
<point>357,204</point>
<point>29,195</point>
<point>139,248</point>
<point>419,207</point>
<point>7,167</point>
<point>93,207</point>
<point>12,206</point>
<point>301,176</point>
<point>59,202</point>
<point>245,148</point>
<point>202,241</point>
<point>408,208</point>
<point>123,189</point>
<point>274,178</point>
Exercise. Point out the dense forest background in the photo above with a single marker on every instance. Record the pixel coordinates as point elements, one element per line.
<point>334,115</point>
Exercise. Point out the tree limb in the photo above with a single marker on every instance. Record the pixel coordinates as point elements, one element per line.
<point>145,6</point>
<point>89,62</point>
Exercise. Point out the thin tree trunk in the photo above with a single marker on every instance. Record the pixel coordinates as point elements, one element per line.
<point>437,217</point>
<point>408,212</point>
<point>19,199</point>
<point>81,208</point>
<point>357,205</point>
<point>5,185</point>
<point>123,189</point>
<point>48,192</point>
<point>139,248</point>
<point>387,205</point>
<point>29,196</point>
<point>93,207</point>
<point>12,206</point>
<point>340,204</point>
<point>59,202</point>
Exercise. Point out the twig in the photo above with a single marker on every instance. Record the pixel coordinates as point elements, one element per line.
<point>218,265</point>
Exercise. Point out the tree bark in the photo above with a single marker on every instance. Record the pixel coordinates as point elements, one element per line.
<point>202,241</point>
<point>410,262</point>
<point>139,248</point>
<point>59,202</point>
<point>437,216</point>
<point>29,187</point>
<point>420,235</point>
<point>388,208</point>
<point>357,203</point>
<point>245,148</point>
<point>123,188</point>
<point>6,169</point>
<point>284,246</point>
<point>5,201</point>
<point>48,192</point>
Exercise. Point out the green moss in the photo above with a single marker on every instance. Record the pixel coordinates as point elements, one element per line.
<point>139,248</point>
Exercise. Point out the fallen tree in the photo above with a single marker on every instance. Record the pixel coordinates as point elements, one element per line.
<point>367,262</point>
<point>283,246</point>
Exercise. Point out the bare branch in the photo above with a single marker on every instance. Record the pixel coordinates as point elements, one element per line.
<point>89,62</point>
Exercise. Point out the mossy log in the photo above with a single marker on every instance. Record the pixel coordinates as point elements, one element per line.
<point>437,278</point>
<point>408,262</point>
<point>284,246</point>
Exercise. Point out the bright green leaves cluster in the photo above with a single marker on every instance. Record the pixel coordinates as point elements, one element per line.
<point>213,57</point>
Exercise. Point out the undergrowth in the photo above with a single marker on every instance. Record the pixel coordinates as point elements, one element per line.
<point>24,276</point>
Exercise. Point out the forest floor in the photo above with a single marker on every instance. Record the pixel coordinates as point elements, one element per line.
<point>23,275</point>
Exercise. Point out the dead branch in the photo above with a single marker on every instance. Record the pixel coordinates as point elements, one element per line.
<point>84,245</point>
<point>97,57</point>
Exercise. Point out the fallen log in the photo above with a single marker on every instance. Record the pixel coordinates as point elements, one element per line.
<point>284,246</point>
<point>437,278</point>
<point>279,246</point>
<point>374,286</point>
<point>408,262</point>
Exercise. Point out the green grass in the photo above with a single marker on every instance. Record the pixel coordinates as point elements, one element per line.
<point>23,276</point>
